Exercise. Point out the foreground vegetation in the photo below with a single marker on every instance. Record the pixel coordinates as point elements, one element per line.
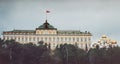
<point>12,52</point>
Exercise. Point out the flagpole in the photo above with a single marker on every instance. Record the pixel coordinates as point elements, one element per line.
<point>47,11</point>
<point>46,15</point>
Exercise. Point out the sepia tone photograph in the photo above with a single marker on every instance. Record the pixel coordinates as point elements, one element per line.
<point>59,32</point>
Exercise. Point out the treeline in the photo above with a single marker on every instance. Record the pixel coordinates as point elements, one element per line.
<point>12,52</point>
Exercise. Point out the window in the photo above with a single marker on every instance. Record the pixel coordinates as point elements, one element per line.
<point>53,44</point>
<point>57,38</point>
<point>53,38</point>
<point>81,39</point>
<point>41,32</point>
<point>41,38</point>
<point>69,39</point>
<point>14,37</point>
<point>45,38</point>
<point>30,39</point>
<point>22,38</point>
<point>37,32</point>
<point>26,39</point>
<point>77,39</point>
<point>50,32</point>
<point>46,32</point>
<point>18,38</point>
<point>7,38</point>
<point>49,39</point>
<point>11,37</point>
<point>33,38</point>
<point>65,38</point>
<point>89,39</point>
<point>73,39</point>
<point>85,39</point>
<point>61,39</point>
<point>37,38</point>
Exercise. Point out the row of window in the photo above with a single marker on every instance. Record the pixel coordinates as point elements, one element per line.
<point>45,32</point>
<point>49,39</point>
<point>80,45</point>
<point>19,33</point>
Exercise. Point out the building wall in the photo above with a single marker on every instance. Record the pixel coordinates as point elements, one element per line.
<point>54,40</point>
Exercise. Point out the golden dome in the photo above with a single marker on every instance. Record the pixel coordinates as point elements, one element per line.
<point>104,36</point>
<point>114,42</point>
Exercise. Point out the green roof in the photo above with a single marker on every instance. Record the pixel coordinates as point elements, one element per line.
<point>22,31</point>
<point>59,32</point>
<point>46,25</point>
<point>68,32</point>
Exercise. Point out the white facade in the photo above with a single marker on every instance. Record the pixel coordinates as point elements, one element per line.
<point>50,35</point>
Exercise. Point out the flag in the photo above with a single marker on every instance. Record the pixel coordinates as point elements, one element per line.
<point>47,11</point>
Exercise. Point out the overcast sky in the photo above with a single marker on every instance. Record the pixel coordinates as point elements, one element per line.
<point>97,16</point>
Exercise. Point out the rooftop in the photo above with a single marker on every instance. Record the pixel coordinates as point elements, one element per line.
<point>46,25</point>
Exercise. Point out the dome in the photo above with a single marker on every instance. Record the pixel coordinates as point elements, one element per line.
<point>104,36</point>
<point>46,25</point>
<point>114,42</point>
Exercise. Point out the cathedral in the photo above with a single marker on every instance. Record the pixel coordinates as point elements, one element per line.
<point>50,35</point>
<point>105,42</point>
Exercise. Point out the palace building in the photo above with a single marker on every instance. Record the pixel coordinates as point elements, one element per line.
<point>50,35</point>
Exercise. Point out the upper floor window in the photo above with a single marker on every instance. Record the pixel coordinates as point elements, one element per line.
<point>46,32</point>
